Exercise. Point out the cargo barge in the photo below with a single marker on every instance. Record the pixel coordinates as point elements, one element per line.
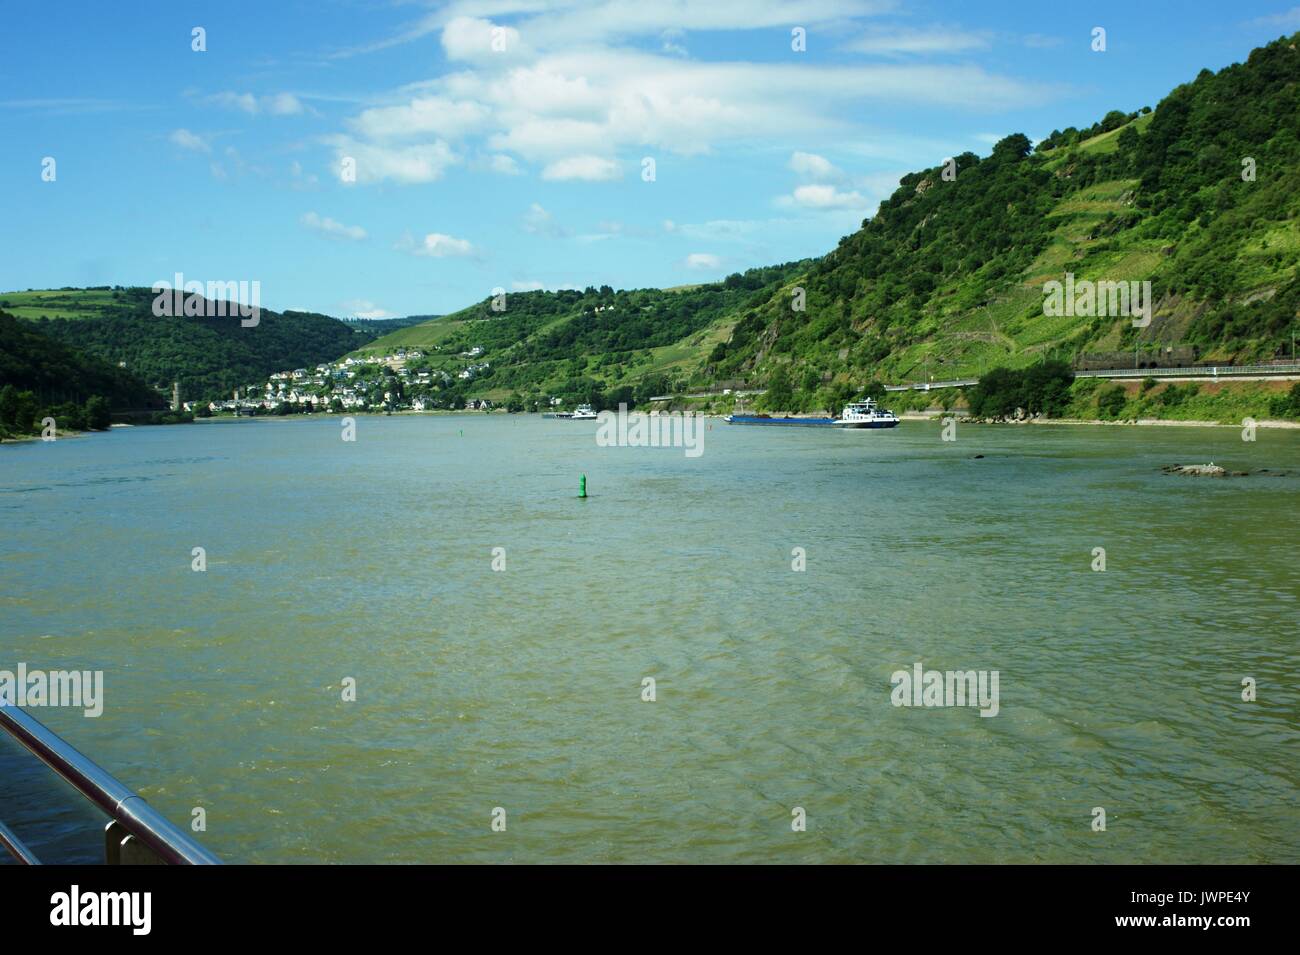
<point>857,414</point>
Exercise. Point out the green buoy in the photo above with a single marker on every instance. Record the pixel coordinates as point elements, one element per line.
<point>582,486</point>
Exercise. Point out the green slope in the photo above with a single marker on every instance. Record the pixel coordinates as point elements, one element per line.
<point>209,356</point>
<point>948,278</point>
<point>54,372</point>
<point>40,376</point>
<point>587,345</point>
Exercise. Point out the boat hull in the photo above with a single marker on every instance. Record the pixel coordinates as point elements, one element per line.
<point>783,422</point>
<point>809,422</point>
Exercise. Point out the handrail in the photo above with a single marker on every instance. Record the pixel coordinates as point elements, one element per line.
<point>15,846</point>
<point>112,796</point>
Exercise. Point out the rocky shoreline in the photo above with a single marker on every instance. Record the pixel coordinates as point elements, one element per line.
<point>1140,422</point>
<point>1215,470</point>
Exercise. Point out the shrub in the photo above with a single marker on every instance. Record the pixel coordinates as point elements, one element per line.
<point>1111,402</point>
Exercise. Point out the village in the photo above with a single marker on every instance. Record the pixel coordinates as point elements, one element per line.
<point>401,381</point>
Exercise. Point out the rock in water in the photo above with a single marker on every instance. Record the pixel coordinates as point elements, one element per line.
<point>1202,470</point>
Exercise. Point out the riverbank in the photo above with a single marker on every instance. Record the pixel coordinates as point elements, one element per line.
<point>1141,422</point>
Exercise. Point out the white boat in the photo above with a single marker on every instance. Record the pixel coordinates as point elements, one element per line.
<point>865,414</point>
<point>583,413</point>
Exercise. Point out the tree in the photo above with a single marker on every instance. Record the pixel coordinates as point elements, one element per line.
<point>1015,146</point>
<point>1039,389</point>
<point>779,394</point>
<point>97,413</point>
<point>1113,120</point>
<point>1111,402</point>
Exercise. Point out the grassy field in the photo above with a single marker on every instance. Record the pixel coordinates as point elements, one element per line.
<point>73,304</point>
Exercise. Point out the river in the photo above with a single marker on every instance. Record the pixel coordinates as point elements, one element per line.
<point>522,689</point>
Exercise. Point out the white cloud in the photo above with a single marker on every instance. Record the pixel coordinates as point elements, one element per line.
<point>276,104</point>
<point>424,116</point>
<point>1288,20</point>
<point>813,166</point>
<point>570,95</point>
<point>504,164</point>
<point>588,168</point>
<point>703,261</point>
<point>936,40</point>
<point>282,104</point>
<point>538,221</point>
<point>670,40</point>
<point>475,39</point>
<point>721,230</point>
<point>825,191</point>
<point>823,196</point>
<point>363,308</point>
<point>573,21</point>
<point>187,140</point>
<point>425,162</point>
<point>577,110</point>
<point>559,22</point>
<point>331,228</point>
<point>531,285</point>
<point>438,245</point>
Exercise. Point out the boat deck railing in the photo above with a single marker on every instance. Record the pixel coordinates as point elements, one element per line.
<point>136,834</point>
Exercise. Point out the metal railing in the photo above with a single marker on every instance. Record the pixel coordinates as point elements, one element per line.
<point>136,833</point>
<point>1275,370</point>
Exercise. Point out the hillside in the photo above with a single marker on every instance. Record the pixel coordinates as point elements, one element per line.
<point>593,345</point>
<point>208,356</point>
<point>40,376</point>
<point>950,275</point>
<point>948,278</point>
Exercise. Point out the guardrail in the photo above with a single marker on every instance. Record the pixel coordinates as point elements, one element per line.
<point>1192,371</point>
<point>137,834</point>
<point>931,385</point>
<point>1280,370</point>
<point>743,393</point>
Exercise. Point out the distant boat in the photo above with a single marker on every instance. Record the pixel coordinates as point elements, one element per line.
<point>581,413</point>
<point>865,414</point>
<point>786,421</point>
<point>856,414</point>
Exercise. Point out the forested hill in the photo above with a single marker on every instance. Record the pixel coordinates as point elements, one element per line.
<point>584,344</point>
<point>55,373</point>
<point>40,377</point>
<point>208,356</point>
<point>948,278</point>
<point>951,273</point>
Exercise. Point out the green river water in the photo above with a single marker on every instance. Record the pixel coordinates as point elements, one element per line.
<point>522,688</point>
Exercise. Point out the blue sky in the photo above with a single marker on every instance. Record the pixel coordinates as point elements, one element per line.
<point>502,143</point>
